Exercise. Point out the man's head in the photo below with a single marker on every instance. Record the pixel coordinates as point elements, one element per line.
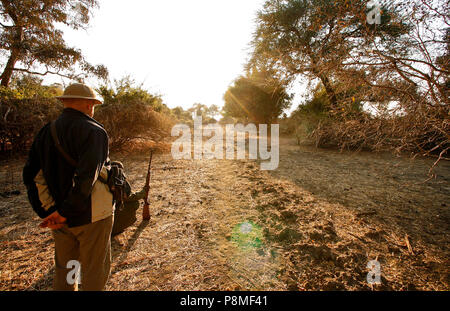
<point>80,97</point>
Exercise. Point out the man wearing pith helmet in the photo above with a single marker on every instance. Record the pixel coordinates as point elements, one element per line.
<point>61,176</point>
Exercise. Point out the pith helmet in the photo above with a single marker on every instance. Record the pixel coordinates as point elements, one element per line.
<point>80,91</point>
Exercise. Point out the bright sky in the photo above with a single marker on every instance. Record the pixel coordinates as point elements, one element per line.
<point>188,51</point>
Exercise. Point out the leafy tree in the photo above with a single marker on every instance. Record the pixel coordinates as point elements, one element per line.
<point>226,119</point>
<point>444,65</point>
<point>25,106</point>
<point>199,109</point>
<point>319,105</point>
<point>126,92</point>
<point>25,86</point>
<point>131,112</point>
<point>181,114</point>
<point>207,113</point>
<point>317,38</point>
<point>258,98</point>
<point>213,111</point>
<point>400,60</point>
<point>29,37</point>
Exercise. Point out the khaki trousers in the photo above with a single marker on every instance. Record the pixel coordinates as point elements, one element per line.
<point>90,245</point>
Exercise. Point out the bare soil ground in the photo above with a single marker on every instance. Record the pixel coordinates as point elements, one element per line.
<point>313,224</point>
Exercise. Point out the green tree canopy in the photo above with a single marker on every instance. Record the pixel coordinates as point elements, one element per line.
<point>181,114</point>
<point>319,39</point>
<point>127,92</point>
<point>24,86</point>
<point>259,98</point>
<point>29,37</point>
<point>208,114</point>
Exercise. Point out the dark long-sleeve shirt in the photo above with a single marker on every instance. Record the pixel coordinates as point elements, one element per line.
<point>86,141</point>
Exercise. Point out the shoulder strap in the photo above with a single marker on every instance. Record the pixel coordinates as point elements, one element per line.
<point>58,146</point>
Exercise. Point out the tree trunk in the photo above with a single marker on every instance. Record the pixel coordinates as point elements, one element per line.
<point>325,81</point>
<point>330,91</point>
<point>7,73</point>
<point>15,53</point>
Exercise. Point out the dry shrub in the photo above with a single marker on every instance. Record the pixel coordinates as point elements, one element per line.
<point>414,133</point>
<point>21,119</point>
<point>127,122</point>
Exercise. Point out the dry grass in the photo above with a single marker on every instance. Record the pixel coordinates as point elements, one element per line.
<point>314,225</point>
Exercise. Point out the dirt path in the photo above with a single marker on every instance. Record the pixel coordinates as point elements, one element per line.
<point>313,224</point>
<point>197,237</point>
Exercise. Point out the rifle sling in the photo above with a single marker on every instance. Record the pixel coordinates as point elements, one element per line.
<point>58,146</point>
<point>61,150</point>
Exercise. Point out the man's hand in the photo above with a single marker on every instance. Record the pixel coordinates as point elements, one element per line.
<point>54,221</point>
<point>138,195</point>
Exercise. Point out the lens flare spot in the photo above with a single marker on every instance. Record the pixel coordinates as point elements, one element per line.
<point>246,228</point>
<point>247,235</point>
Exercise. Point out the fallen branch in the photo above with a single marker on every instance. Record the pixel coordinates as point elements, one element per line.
<point>409,245</point>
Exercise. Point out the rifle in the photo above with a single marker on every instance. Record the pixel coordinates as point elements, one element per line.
<point>146,212</point>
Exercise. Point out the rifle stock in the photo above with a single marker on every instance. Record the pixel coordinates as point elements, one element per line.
<point>146,211</point>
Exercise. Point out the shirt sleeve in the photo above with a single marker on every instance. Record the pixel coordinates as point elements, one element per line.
<point>92,156</point>
<point>30,171</point>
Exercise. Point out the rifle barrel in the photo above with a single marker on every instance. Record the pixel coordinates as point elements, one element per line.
<point>146,211</point>
<point>149,173</point>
